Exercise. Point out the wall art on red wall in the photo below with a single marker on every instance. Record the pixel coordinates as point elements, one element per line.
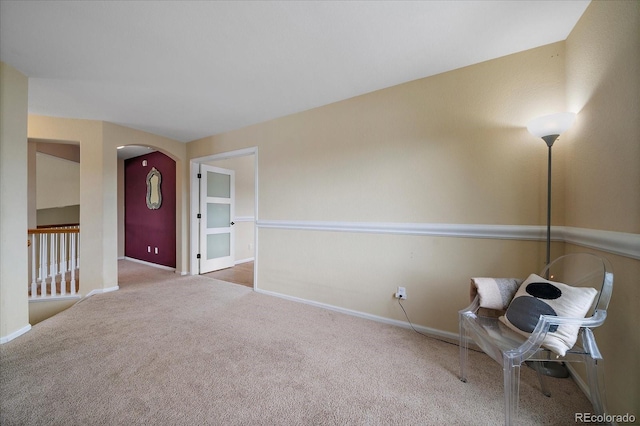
<point>150,209</point>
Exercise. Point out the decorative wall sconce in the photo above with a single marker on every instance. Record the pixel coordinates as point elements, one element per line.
<point>154,193</point>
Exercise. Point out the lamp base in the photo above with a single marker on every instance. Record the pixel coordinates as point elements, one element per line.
<point>549,368</point>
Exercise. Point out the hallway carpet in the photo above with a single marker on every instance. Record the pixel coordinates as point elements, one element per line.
<point>171,350</point>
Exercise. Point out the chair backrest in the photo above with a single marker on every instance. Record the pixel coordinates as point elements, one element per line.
<point>584,270</point>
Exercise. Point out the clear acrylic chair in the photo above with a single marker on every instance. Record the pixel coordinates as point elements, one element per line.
<point>511,349</point>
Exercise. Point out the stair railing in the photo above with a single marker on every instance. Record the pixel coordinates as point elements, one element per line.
<point>54,262</point>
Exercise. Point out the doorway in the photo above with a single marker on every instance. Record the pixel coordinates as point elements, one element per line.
<point>244,164</point>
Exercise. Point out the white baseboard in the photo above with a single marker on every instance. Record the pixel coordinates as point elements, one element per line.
<point>102,290</point>
<point>426,330</point>
<point>55,298</point>
<point>247,260</point>
<point>17,333</point>
<point>155,265</point>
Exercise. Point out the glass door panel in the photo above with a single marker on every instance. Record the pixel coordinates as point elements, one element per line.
<point>218,185</point>
<point>218,215</point>
<point>218,245</point>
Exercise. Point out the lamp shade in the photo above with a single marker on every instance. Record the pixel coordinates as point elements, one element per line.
<point>552,124</point>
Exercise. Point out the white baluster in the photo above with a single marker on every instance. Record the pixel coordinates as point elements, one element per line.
<point>52,261</point>
<point>34,277</point>
<point>43,265</point>
<point>74,239</point>
<point>63,263</point>
<point>54,264</point>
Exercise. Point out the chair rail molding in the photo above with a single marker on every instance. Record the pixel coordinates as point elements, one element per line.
<point>244,219</point>
<point>620,243</point>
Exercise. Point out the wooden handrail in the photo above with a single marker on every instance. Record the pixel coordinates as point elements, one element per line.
<point>58,225</point>
<point>74,230</point>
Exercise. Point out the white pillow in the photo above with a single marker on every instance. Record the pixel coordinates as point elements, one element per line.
<point>537,296</point>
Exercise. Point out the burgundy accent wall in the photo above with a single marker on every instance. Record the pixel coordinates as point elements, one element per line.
<point>144,227</point>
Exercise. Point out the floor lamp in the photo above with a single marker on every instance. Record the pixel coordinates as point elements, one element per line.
<point>549,127</point>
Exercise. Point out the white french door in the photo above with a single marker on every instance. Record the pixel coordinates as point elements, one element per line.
<point>217,209</point>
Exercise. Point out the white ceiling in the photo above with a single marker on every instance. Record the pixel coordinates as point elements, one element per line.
<point>190,69</point>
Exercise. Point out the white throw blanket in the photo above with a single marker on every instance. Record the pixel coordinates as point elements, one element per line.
<point>495,293</point>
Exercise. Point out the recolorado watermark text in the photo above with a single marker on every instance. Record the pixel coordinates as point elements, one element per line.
<point>604,418</point>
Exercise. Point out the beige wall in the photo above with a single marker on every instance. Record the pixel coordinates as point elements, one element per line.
<point>68,151</point>
<point>59,215</point>
<point>14,309</point>
<point>40,311</point>
<point>57,182</point>
<point>603,176</point>
<point>454,149</point>
<point>410,164</point>
<point>31,185</point>
<point>44,182</point>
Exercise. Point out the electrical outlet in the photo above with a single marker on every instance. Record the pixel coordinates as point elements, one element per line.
<point>401,293</point>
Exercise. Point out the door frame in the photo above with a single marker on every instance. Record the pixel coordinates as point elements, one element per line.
<point>194,169</point>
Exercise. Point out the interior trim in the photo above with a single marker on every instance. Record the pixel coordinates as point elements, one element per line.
<point>154,265</point>
<point>102,290</point>
<point>55,298</point>
<point>620,243</point>
<point>452,337</point>
<point>15,334</point>
<point>244,219</point>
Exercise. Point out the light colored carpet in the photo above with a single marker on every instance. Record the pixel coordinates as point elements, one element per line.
<point>170,350</point>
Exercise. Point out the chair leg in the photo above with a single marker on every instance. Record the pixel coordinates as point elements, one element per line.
<point>464,349</point>
<point>537,365</point>
<point>511,391</point>
<point>596,384</point>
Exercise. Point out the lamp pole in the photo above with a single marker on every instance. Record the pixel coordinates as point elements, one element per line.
<point>550,139</point>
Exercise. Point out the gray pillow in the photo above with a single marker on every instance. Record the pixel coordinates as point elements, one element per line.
<point>538,296</point>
